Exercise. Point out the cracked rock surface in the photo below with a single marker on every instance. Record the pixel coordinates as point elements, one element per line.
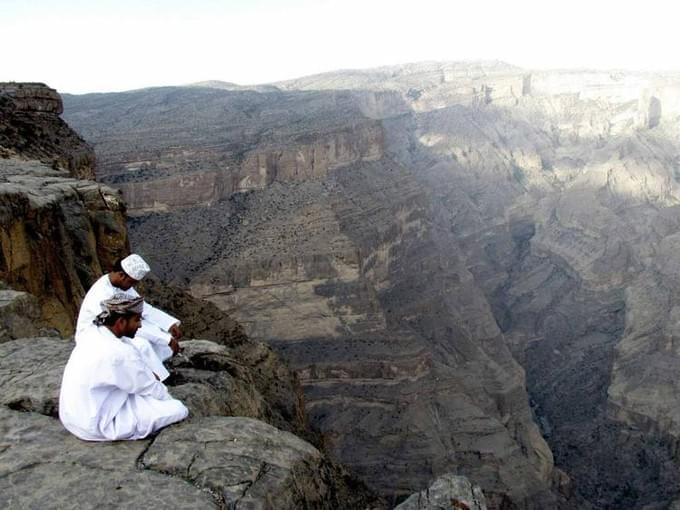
<point>43,466</point>
<point>247,463</point>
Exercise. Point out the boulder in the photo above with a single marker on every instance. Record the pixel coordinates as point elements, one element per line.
<point>43,466</point>
<point>246,462</point>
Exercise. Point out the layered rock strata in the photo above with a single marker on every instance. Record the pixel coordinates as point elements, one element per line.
<point>31,128</point>
<point>55,234</point>
<point>57,230</point>
<point>215,139</point>
<point>405,373</point>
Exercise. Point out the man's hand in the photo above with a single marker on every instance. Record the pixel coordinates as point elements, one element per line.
<point>174,345</point>
<point>175,331</point>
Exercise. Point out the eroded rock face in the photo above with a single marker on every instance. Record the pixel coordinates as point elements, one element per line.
<point>255,139</point>
<point>56,235</point>
<point>57,230</point>
<point>30,128</point>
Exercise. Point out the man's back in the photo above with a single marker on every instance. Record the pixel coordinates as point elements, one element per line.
<point>100,291</point>
<point>109,393</point>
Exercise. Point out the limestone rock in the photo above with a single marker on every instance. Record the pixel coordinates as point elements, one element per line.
<point>246,462</point>
<point>30,373</point>
<point>19,315</point>
<point>43,466</point>
<point>30,128</point>
<point>56,233</point>
<point>447,491</point>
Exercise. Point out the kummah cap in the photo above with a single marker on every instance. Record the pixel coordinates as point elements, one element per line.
<point>121,304</point>
<point>135,267</point>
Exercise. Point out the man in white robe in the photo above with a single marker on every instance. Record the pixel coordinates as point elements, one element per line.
<point>157,340</point>
<point>108,392</point>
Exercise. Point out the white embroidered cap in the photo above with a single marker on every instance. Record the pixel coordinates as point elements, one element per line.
<point>135,267</point>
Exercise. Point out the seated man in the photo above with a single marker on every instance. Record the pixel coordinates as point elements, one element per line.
<point>158,337</point>
<point>108,392</point>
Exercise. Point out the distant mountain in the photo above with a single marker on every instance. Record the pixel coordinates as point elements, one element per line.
<point>224,85</point>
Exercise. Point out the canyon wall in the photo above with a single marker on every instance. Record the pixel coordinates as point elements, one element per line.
<point>396,233</point>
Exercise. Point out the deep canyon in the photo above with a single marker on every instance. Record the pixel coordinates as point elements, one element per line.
<point>470,266</point>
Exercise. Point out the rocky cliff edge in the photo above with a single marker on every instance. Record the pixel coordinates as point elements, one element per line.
<point>238,449</point>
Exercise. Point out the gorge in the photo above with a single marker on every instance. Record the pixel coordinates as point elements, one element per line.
<point>469,266</point>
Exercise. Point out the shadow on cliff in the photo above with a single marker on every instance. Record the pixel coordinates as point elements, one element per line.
<point>564,334</point>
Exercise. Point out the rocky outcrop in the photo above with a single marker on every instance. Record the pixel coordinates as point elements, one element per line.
<point>42,465</point>
<point>247,463</point>
<point>30,128</point>
<point>211,461</point>
<point>57,230</point>
<point>56,234</point>
<point>447,491</point>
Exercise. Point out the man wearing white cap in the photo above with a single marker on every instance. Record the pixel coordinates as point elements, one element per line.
<point>157,339</point>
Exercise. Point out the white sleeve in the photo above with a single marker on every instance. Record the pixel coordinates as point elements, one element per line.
<point>153,333</point>
<point>132,376</point>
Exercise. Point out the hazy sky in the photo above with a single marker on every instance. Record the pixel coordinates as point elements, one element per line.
<point>107,45</point>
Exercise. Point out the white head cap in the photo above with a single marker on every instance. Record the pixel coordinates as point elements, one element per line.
<point>135,267</point>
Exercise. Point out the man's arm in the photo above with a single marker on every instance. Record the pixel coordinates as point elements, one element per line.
<point>159,327</point>
<point>132,376</point>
